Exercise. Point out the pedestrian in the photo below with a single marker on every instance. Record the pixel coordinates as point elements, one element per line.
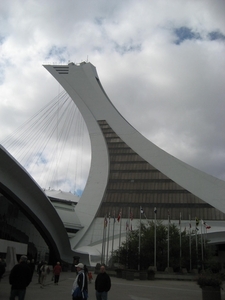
<point>45,270</point>
<point>102,284</point>
<point>90,277</point>
<point>40,264</point>
<point>19,278</point>
<point>56,271</point>
<point>80,285</point>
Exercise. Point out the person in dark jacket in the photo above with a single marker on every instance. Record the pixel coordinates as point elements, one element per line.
<point>102,284</point>
<point>19,278</point>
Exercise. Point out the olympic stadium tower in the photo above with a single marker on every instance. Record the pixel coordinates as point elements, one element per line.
<point>128,172</point>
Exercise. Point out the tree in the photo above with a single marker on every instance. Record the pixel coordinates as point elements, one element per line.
<point>128,253</point>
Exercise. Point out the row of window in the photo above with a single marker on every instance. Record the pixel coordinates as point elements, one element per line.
<point>143,176</point>
<point>128,166</point>
<point>151,197</point>
<point>141,185</point>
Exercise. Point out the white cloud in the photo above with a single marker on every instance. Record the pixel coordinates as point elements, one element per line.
<point>173,94</point>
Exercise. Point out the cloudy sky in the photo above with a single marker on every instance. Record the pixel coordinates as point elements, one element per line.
<point>161,63</point>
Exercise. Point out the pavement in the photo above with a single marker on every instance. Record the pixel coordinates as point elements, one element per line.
<point>121,289</point>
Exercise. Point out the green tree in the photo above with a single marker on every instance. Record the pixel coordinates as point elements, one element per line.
<point>128,253</point>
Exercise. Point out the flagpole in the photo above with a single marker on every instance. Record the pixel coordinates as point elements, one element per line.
<point>129,213</point>
<point>190,241</point>
<point>103,239</point>
<point>114,220</point>
<point>102,261</point>
<point>120,228</point>
<point>127,235</point>
<point>107,253</point>
<point>196,236</point>
<point>105,244</point>
<point>202,246</point>
<point>168,243</point>
<point>204,235</point>
<point>180,242</point>
<point>131,219</point>
<point>139,248</point>
<point>155,211</point>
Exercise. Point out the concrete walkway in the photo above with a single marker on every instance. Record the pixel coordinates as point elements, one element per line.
<point>121,289</point>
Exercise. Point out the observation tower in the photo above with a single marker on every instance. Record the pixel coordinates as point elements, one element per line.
<point>127,170</point>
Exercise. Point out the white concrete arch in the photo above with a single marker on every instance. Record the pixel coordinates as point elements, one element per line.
<point>18,186</point>
<point>78,86</point>
<point>82,84</point>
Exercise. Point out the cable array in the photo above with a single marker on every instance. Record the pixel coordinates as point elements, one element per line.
<point>53,146</point>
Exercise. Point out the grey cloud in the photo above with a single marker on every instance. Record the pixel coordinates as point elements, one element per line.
<point>173,95</point>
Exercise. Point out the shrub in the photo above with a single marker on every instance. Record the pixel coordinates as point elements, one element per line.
<point>209,279</point>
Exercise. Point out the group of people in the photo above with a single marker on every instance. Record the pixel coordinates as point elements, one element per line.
<point>21,276</point>
<point>43,270</point>
<point>80,285</point>
<point>22,273</point>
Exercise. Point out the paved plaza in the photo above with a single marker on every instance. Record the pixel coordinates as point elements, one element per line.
<point>121,289</point>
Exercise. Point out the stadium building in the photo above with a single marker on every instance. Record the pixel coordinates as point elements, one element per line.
<point>127,173</point>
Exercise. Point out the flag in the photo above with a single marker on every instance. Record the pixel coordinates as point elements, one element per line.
<point>119,216</point>
<point>196,221</point>
<point>206,225</point>
<point>142,212</point>
<point>155,210</point>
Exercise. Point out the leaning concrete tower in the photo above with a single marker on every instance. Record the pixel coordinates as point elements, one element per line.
<point>127,170</point>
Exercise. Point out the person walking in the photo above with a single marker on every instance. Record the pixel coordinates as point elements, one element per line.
<point>40,264</point>
<point>102,284</point>
<point>80,285</point>
<point>44,272</point>
<point>56,271</point>
<point>19,278</point>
